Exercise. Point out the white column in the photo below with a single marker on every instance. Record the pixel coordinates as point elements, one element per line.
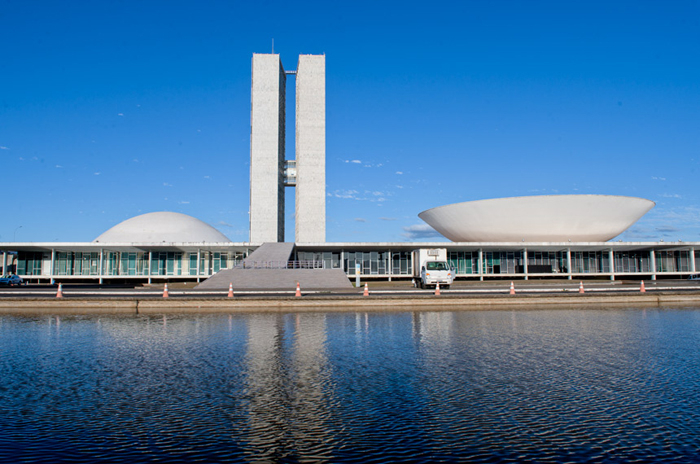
<point>199,271</point>
<point>568,262</point>
<point>692,260</point>
<point>4,262</point>
<point>611,255</point>
<point>481,264</point>
<point>150,263</point>
<point>652,257</point>
<point>52,271</point>
<point>102,270</point>
<point>525,262</point>
<point>389,263</point>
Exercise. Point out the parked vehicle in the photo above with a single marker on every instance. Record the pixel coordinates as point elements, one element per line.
<point>430,267</point>
<point>694,277</point>
<point>11,280</point>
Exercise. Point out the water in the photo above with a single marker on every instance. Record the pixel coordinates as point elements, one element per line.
<point>492,386</point>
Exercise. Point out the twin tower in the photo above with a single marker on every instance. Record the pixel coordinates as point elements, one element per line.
<point>270,171</point>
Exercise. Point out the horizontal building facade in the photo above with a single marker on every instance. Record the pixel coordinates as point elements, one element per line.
<point>103,262</point>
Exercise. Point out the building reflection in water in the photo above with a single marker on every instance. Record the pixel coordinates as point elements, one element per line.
<point>288,388</point>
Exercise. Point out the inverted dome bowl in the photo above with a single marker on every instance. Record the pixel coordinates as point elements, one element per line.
<point>544,218</point>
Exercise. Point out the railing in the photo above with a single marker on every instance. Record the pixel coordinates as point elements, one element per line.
<point>304,264</point>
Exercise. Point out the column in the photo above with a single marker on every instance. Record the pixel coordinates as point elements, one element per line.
<point>481,264</point>
<point>611,257</point>
<point>150,269</point>
<point>525,262</point>
<point>4,262</point>
<point>390,263</point>
<point>102,269</point>
<point>568,262</point>
<point>199,269</point>
<point>692,260</point>
<point>652,257</point>
<point>52,271</point>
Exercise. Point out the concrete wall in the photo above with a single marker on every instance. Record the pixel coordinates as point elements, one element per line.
<point>267,119</point>
<point>311,149</point>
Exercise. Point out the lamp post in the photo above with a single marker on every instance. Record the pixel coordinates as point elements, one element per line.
<point>14,236</point>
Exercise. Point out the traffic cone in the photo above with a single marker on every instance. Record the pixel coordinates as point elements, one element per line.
<point>437,289</point>
<point>641,288</point>
<point>366,292</point>
<point>59,293</point>
<point>165,291</point>
<point>298,293</point>
<point>512,288</point>
<point>580,287</point>
<point>230,290</point>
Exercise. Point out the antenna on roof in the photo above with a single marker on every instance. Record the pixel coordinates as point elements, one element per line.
<point>273,46</point>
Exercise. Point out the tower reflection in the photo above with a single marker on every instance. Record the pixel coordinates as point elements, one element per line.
<point>288,389</point>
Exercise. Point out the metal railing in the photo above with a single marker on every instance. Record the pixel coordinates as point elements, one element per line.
<point>301,264</point>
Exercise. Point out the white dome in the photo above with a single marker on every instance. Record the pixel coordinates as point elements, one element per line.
<point>544,218</point>
<point>162,227</point>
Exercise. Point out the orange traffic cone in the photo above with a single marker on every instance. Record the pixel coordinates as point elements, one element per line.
<point>298,293</point>
<point>437,289</point>
<point>580,288</point>
<point>230,290</point>
<point>641,288</point>
<point>366,292</point>
<point>512,288</point>
<point>165,291</point>
<point>59,293</point>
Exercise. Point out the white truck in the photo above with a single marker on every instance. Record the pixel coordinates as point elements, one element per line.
<point>430,267</point>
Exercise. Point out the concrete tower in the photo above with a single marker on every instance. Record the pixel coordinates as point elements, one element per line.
<point>267,158</point>
<point>311,149</point>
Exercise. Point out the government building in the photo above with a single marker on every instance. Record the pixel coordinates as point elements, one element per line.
<point>551,236</point>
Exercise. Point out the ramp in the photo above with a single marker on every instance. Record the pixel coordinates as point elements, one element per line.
<point>269,256</point>
<point>277,279</point>
<point>266,269</point>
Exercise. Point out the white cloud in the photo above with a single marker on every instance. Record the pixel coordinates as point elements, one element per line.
<point>120,114</point>
<point>420,231</point>
<point>399,172</point>
<point>360,220</point>
<point>346,194</point>
<point>184,202</point>
<point>3,148</point>
<point>670,195</point>
<point>165,184</point>
<point>97,173</point>
<point>225,224</point>
<point>59,166</point>
<point>387,219</point>
<point>658,178</point>
<point>356,161</point>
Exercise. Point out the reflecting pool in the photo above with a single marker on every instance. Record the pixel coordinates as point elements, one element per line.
<point>477,386</point>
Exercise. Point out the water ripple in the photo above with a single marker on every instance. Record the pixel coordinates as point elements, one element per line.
<point>490,386</point>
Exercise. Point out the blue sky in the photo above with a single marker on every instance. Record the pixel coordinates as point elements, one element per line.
<point>112,109</point>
